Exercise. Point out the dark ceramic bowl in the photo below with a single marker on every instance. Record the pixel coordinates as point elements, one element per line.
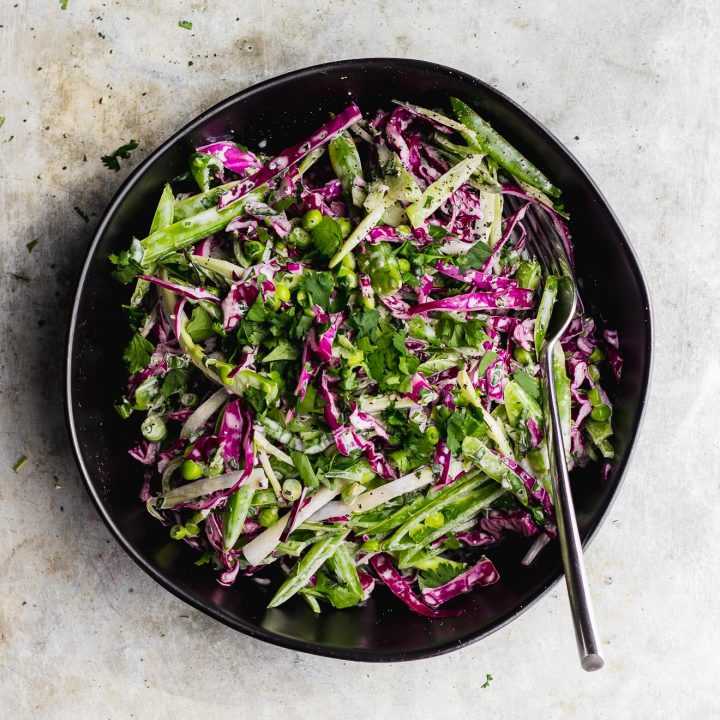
<point>281,111</point>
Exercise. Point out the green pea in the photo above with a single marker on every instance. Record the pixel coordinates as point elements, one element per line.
<point>370,546</point>
<point>253,249</point>
<point>404,265</point>
<point>528,274</point>
<point>594,397</point>
<point>299,237</point>
<point>594,372</point>
<point>177,532</point>
<point>192,529</point>
<point>347,278</point>
<point>291,489</point>
<point>435,520</point>
<point>282,292</point>
<point>601,412</point>
<point>268,516</point>
<point>403,229</point>
<point>189,399</point>
<point>596,355</point>
<point>345,226</point>
<point>311,219</point>
<point>191,470</point>
<point>349,261</point>
<point>432,435</point>
<point>522,355</point>
<point>153,428</point>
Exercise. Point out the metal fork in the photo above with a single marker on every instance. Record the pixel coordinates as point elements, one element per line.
<point>548,247</point>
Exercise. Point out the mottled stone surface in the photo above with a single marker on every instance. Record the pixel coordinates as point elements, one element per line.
<point>632,88</point>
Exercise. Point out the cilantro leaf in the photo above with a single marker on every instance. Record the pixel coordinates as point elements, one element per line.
<point>31,245</point>
<point>365,323</point>
<point>112,162</point>
<point>185,24</point>
<point>487,360</point>
<point>137,353</point>
<point>529,384</point>
<point>175,381</point>
<point>128,263</point>
<point>200,325</point>
<point>318,286</point>
<point>326,237</point>
<point>460,424</point>
<point>437,571</point>
<point>437,232</point>
<point>476,256</point>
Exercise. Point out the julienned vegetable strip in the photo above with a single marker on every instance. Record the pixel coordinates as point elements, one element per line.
<point>333,360</point>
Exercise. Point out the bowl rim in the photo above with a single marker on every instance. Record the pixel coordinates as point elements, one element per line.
<point>255,631</point>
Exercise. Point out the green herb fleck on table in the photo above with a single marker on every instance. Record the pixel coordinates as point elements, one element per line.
<point>488,680</point>
<point>81,214</point>
<point>63,4</point>
<point>112,161</point>
<point>2,120</point>
<point>19,464</point>
<point>185,24</point>
<point>58,484</point>
<point>31,245</point>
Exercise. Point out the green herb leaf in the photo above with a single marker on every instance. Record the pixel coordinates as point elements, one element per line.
<point>31,245</point>
<point>529,384</point>
<point>81,214</point>
<point>19,464</point>
<point>185,24</point>
<point>488,680</point>
<point>436,571</point>
<point>200,325</point>
<point>365,323</point>
<point>326,237</point>
<point>137,353</point>
<point>318,286</point>
<point>476,256</point>
<point>282,351</point>
<point>63,4</point>
<point>112,161</point>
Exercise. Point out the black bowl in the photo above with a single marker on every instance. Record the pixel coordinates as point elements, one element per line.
<point>281,111</point>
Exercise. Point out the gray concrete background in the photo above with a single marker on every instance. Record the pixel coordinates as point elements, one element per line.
<point>631,88</point>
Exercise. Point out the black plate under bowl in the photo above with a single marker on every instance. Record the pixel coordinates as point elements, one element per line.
<point>281,111</point>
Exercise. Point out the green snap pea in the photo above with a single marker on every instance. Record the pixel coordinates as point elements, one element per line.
<point>489,141</point>
<point>305,469</point>
<point>382,267</point>
<point>601,412</point>
<point>235,514</point>
<point>345,161</point>
<point>268,517</point>
<point>306,567</point>
<point>545,311</point>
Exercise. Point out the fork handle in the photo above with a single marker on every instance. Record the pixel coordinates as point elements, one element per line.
<point>570,547</point>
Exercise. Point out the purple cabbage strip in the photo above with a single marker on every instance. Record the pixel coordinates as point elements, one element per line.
<point>232,157</point>
<point>510,224</point>
<point>482,573</point>
<point>510,299</point>
<point>236,303</point>
<point>293,514</point>
<point>399,587</point>
<point>533,486</point>
<point>516,520</point>
<point>475,538</point>
<point>145,452</point>
<point>292,155</point>
<point>191,293</point>
<point>179,315</point>
<point>613,351</point>
<point>482,281</point>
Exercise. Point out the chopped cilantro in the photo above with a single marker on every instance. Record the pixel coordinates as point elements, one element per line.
<point>365,323</point>
<point>2,120</point>
<point>137,353</point>
<point>56,481</point>
<point>437,571</point>
<point>437,232</point>
<point>185,24</point>
<point>63,4</point>
<point>112,162</point>
<point>30,246</point>
<point>460,424</point>
<point>128,262</point>
<point>174,382</point>
<point>488,680</point>
<point>19,464</point>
